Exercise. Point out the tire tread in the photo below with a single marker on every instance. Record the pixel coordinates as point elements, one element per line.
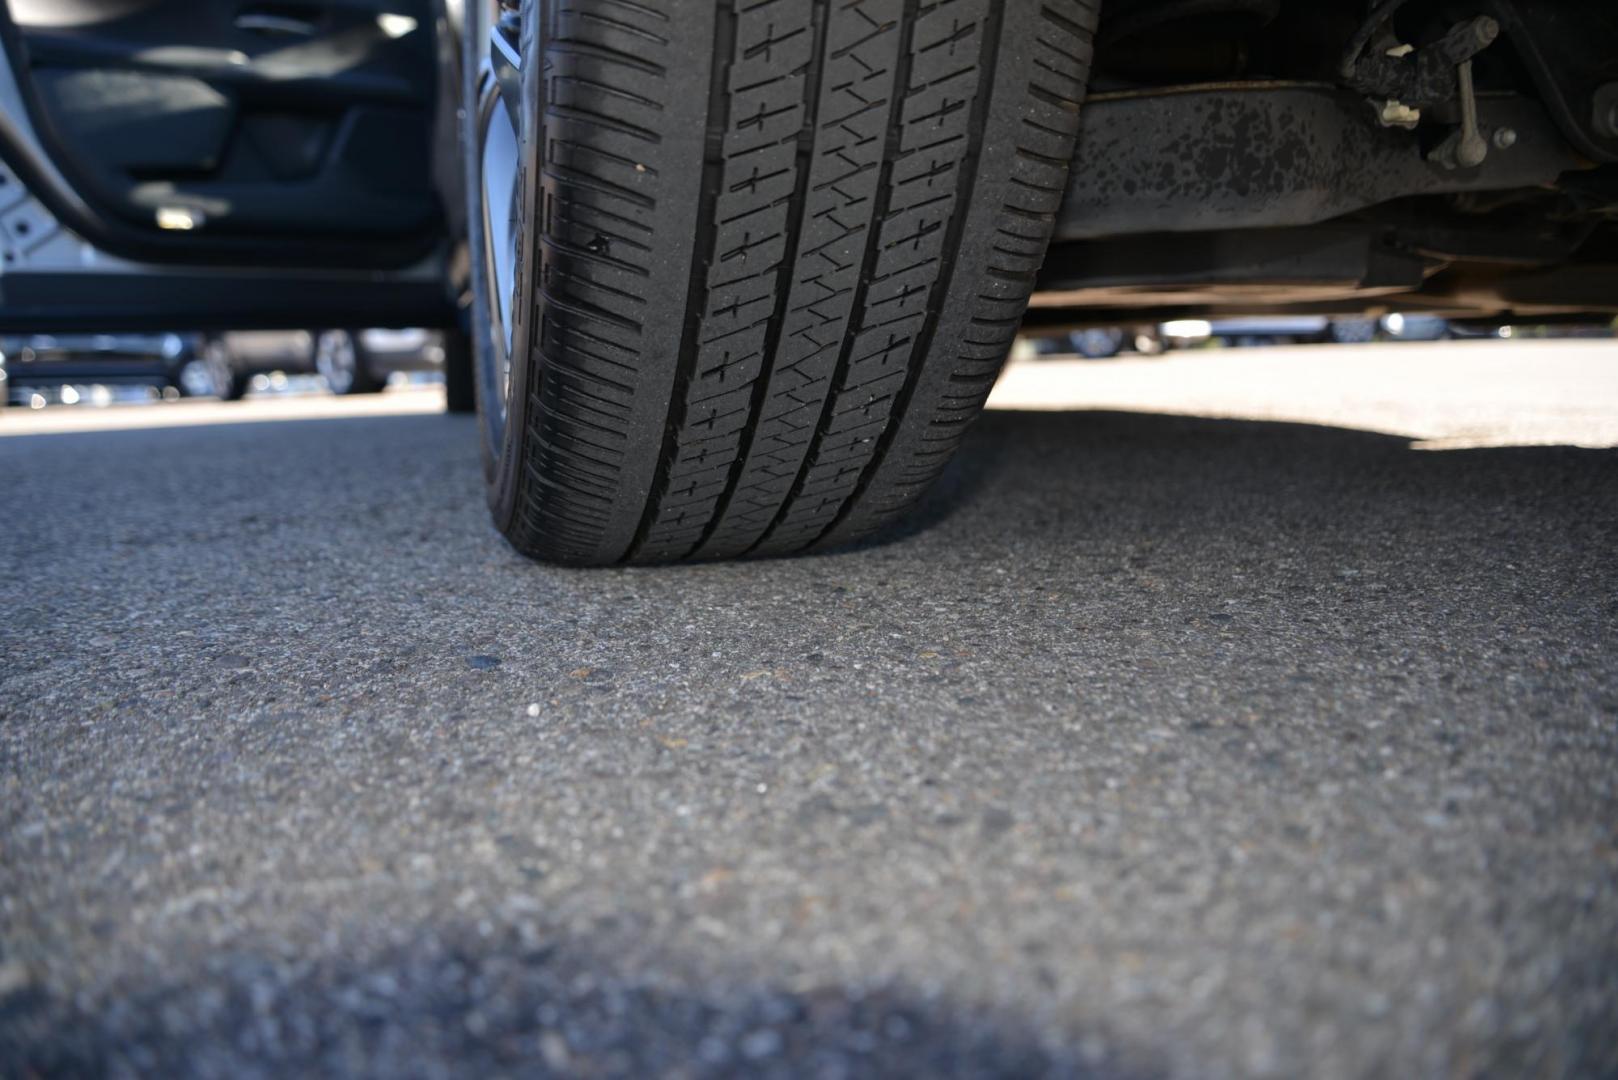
<point>876,185</point>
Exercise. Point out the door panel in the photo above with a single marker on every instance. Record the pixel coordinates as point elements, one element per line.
<point>240,118</point>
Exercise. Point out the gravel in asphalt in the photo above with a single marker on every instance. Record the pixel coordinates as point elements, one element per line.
<point>1156,745</point>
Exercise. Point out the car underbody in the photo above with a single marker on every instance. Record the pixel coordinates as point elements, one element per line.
<point>1235,157</point>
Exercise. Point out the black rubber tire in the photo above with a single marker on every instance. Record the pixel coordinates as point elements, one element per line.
<point>783,249</point>
<point>459,394</point>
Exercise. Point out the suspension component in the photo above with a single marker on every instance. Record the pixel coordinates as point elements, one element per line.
<point>1418,77</point>
<point>1465,148</point>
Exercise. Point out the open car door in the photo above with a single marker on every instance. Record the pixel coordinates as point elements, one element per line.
<point>223,163</point>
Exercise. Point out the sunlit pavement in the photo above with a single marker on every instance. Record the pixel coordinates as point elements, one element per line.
<point>1445,395</point>
<point>310,405</point>
<point>1161,742</point>
<point>1450,395</point>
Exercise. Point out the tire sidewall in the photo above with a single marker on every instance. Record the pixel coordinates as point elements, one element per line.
<point>501,445</point>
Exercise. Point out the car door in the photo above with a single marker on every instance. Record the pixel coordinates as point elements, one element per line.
<point>223,163</point>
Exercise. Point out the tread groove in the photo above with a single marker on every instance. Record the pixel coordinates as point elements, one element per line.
<point>890,151</point>
<point>772,337</point>
<point>701,260</point>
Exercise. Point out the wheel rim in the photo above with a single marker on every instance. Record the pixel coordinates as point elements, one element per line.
<point>1353,331</point>
<point>208,373</point>
<point>1098,343</point>
<point>499,162</point>
<point>500,218</point>
<point>199,379</point>
<point>336,361</point>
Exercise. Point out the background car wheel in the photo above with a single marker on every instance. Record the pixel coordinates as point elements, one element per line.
<point>220,372</point>
<point>1098,342</point>
<point>207,374</point>
<point>771,265</point>
<point>341,361</point>
<point>1351,331</point>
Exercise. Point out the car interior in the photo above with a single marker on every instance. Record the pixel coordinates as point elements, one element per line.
<point>262,120</point>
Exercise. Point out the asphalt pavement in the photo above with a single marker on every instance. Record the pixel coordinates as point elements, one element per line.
<point>1164,741</point>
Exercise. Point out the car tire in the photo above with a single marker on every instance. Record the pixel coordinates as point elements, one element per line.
<point>340,359</point>
<point>770,264</point>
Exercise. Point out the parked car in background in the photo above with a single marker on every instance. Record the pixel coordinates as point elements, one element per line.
<point>45,363</point>
<point>1400,326</point>
<point>1099,342</point>
<point>1302,330</point>
<point>1353,331</point>
<point>350,361</point>
<point>1552,330</point>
